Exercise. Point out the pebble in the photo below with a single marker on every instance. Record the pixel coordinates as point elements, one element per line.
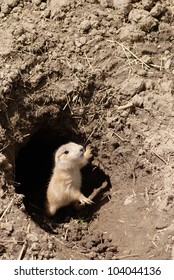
<point>133,86</point>
<point>32,237</point>
<point>9,229</point>
<point>122,6</point>
<point>149,84</point>
<point>157,10</point>
<point>142,72</point>
<point>35,246</point>
<point>85,25</point>
<point>80,41</point>
<point>148,4</point>
<point>55,7</point>
<point>143,18</point>
<point>129,199</point>
<point>3,159</point>
<point>36,2</point>
<point>167,86</point>
<point>131,32</point>
<point>106,3</point>
<point>167,64</point>
<point>12,3</point>
<point>5,9</point>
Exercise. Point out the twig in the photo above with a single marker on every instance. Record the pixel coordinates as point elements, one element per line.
<point>23,250</point>
<point>127,49</point>
<point>127,256</point>
<point>163,160</point>
<point>5,211</point>
<point>119,137</point>
<point>126,106</point>
<point>4,147</point>
<point>97,191</point>
<point>127,57</point>
<point>172,252</point>
<point>147,195</point>
<point>91,134</point>
<point>155,66</point>
<point>87,59</point>
<point>55,237</point>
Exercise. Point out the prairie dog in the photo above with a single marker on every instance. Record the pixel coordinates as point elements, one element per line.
<point>65,183</point>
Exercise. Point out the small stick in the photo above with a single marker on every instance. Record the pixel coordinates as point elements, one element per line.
<point>126,106</point>
<point>4,147</point>
<point>97,191</point>
<point>155,66</point>
<point>23,250</point>
<point>5,211</point>
<point>87,59</point>
<point>127,57</point>
<point>127,256</point>
<point>91,134</point>
<point>119,137</point>
<point>173,253</point>
<point>135,56</point>
<point>159,157</point>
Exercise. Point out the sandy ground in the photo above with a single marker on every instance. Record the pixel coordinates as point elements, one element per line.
<point>96,72</point>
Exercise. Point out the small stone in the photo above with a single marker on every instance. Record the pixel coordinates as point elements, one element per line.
<point>167,64</point>
<point>55,6</point>
<point>162,222</point>
<point>142,72</point>
<point>79,67</point>
<point>122,6</point>
<point>146,59</point>
<point>148,4</point>
<point>3,159</point>
<point>112,248</point>
<point>43,6</point>
<point>109,256</point>
<point>35,246</point>
<point>12,3</point>
<point>85,25</point>
<point>129,199</point>
<point>149,84</point>
<point>32,237</point>
<point>80,41</point>
<point>131,33</point>
<point>5,8</point>
<point>9,229</point>
<point>157,10</point>
<point>143,18</point>
<point>36,2</point>
<point>133,86</point>
<point>167,86</point>
<point>46,13</point>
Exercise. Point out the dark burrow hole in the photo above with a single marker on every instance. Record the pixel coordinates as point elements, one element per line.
<point>34,164</point>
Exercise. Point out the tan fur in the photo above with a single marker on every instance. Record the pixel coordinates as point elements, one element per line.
<point>65,183</point>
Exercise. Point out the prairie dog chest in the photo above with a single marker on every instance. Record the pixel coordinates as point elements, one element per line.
<point>75,178</point>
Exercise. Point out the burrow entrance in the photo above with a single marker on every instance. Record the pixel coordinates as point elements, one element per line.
<point>34,164</point>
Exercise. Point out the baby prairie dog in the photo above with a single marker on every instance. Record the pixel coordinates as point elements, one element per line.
<point>65,183</point>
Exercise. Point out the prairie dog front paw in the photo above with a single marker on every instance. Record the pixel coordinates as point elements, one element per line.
<point>88,153</point>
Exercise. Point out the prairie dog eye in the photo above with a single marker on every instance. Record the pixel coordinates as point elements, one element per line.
<point>66,152</point>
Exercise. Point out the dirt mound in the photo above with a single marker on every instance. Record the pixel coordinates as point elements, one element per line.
<point>97,72</point>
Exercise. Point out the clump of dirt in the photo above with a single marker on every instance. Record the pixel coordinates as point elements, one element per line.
<point>97,73</point>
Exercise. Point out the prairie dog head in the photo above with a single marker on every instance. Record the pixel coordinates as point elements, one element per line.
<point>69,155</point>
